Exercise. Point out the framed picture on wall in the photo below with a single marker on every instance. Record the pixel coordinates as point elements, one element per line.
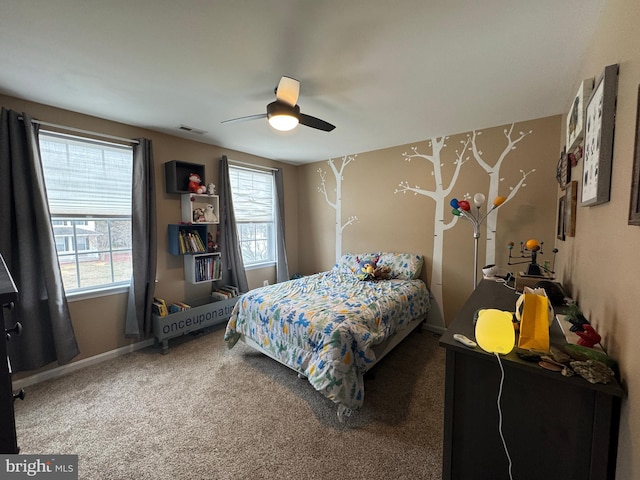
<point>563,169</point>
<point>571,200</point>
<point>598,139</point>
<point>575,117</point>
<point>560,225</point>
<point>634,205</point>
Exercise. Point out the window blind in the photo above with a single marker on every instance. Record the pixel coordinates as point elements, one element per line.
<point>252,195</point>
<point>85,177</point>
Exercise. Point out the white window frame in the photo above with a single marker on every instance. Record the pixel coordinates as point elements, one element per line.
<point>263,218</point>
<point>76,224</point>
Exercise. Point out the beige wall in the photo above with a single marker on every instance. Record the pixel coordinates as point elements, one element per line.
<point>601,263</point>
<point>99,322</point>
<point>405,222</point>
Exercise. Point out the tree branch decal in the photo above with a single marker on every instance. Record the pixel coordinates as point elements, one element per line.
<point>438,195</point>
<point>494,181</point>
<point>338,171</point>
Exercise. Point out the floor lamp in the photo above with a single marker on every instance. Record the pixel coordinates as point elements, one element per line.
<point>462,209</point>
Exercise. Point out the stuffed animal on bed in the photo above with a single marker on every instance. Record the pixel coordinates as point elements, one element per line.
<point>368,269</point>
<point>382,272</point>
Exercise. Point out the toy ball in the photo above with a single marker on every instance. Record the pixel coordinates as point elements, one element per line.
<point>498,201</point>
<point>479,199</point>
<point>532,245</point>
<point>464,205</point>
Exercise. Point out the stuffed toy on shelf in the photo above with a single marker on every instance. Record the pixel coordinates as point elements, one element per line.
<point>195,184</point>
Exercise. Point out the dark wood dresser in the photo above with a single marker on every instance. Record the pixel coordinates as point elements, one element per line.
<point>8,295</point>
<point>554,426</point>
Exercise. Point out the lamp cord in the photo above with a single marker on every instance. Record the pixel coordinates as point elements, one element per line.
<point>504,443</point>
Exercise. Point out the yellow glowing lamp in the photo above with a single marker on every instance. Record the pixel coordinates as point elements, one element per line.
<point>494,331</point>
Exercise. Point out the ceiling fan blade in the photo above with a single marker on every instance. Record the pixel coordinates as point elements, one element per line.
<point>288,90</point>
<point>314,122</point>
<point>244,119</point>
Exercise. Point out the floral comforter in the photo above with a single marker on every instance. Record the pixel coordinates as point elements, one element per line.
<point>325,325</point>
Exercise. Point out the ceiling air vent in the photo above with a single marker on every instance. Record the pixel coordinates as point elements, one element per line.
<point>186,128</point>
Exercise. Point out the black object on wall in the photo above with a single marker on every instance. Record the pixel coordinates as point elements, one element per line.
<point>8,295</point>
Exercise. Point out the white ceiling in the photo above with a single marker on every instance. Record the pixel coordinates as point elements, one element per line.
<point>384,72</point>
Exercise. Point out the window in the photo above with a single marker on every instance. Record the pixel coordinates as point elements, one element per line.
<point>89,191</point>
<point>253,195</point>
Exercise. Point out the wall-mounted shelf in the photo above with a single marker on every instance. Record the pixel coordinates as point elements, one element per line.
<point>200,209</point>
<point>183,239</point>
<point>177,174</point>
<point>202,268</point>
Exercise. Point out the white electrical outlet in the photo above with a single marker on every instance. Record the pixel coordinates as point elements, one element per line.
<point>265,283</point>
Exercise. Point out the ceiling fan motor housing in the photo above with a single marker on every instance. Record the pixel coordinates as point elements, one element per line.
<point>280,108</point>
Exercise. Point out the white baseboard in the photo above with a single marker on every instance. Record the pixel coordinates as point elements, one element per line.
<point>85,362</point>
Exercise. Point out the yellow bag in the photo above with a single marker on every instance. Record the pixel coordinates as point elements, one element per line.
<point>535,313</point>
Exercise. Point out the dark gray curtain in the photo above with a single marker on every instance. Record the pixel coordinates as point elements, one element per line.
<point>28,247</point>
<point>232,263</point>
<point>144,241</point>
<point>282,267</point>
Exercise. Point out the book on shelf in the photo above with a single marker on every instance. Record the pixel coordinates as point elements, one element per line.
<point>216,296</point>
<point>190,242</point>
<point>207,268</point>
<point>160,307</point>
<point>225,292</point>
<point>178,307</point>
<point>232,290</point>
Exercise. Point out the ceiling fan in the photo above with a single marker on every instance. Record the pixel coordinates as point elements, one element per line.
<point>284,114</point>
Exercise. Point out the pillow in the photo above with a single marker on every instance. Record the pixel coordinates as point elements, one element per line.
<point>404,266</point>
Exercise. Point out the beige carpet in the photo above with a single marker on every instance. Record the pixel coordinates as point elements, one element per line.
<point>205,412</point>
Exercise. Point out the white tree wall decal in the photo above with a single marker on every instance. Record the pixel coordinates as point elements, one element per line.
<point>494,183</point>
<point>443,220</point>
<point>337,204</point>
<point>438,195</point>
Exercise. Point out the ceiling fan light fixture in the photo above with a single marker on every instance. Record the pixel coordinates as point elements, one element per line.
<point>284,123</point>
<point>283,117</point>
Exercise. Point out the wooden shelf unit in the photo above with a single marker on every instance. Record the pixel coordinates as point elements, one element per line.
<point>192,201</point>
<point>202,268</point>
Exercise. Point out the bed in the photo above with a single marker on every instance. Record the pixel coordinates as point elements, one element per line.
<point>332,327</point>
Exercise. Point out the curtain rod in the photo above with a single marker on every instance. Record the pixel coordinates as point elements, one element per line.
<point>252,165</point>
<point>86,132</point>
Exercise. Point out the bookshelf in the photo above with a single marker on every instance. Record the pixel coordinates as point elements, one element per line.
<point>176,174</point>
<point>187,239</point>
<point>190,317</point>
<point>199,214</point>
<point>202,268</point>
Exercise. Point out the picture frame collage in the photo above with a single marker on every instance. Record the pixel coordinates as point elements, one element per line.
<point>589,133</point>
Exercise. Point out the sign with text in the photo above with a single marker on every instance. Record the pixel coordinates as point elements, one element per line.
<point>50,467</point>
